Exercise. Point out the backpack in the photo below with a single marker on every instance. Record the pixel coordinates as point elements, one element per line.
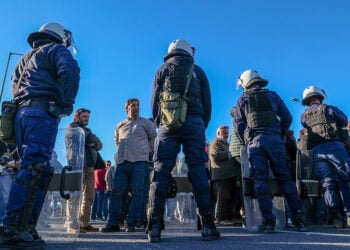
<point>173,105</point>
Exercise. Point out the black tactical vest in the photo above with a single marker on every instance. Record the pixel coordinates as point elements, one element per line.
<point>176,80</point>
<point>321,127</point>
<point>259,111</point>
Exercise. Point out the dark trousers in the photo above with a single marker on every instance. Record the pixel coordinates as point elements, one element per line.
<point>228,198</point>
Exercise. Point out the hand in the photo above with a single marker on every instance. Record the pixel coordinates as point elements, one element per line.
<point>16,165</point>
<point>238,159</point>
<point>67,110</point>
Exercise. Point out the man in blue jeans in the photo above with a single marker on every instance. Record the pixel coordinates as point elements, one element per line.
<point>134,138</point>
<point>99,209</point>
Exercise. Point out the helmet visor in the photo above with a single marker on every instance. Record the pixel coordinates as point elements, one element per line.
<point>73,48</point>
<point>239,83</point>
<point>69,42</point>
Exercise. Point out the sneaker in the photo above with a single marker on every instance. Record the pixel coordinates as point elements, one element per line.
<point>75,231</point>
<point>99,219</point>
<point>110,229</point>
<point>130,229</point>
<point>90,228</point>
<point>226,222</point>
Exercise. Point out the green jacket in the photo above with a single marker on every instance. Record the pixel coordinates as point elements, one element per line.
<point>235,144</point>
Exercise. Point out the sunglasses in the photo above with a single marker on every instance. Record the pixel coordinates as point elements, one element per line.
<point>223,127</point>
<point>82,110</point>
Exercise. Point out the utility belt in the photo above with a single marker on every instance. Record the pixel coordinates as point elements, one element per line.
<point>250,134</point>
<point>310,145</point>
<point>48,106</point>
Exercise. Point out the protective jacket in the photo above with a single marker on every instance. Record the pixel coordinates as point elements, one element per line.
<point>248,118</point>
<point>199,103</point>
<point>324,124</point>
<point>52,75</point>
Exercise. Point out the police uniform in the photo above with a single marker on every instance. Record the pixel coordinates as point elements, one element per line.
<point>47,91</point>
<point>192,138</point>
<point>324,125</point>
<point>261,118</point>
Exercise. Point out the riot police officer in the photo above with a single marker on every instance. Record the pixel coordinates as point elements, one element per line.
<point>191,135</point>
<point>324,125</point>
<point>261,120</point>
<point>45,83</point>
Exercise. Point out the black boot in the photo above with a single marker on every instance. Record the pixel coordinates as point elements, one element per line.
<point>209,231</point>
<point>267,226</point>
<point>154,228</point>
<point>338,218</point>
<point>13,239</point>
<point>299,223</point>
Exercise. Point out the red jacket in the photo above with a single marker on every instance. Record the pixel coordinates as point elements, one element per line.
<point>100,182</point>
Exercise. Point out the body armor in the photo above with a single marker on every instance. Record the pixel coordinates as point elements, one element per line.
<point>259,111</point>
<point>321,128</point>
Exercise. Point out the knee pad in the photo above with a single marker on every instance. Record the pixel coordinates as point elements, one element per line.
<point>262,187</point>
<point>38,170</point>
<point>160,183</point>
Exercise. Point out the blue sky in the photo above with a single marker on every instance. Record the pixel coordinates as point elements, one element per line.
<point>121,44</point>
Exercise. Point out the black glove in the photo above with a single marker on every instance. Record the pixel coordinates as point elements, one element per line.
<point>67,110</point>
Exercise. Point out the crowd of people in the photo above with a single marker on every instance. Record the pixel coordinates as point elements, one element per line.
<point>133,193</point>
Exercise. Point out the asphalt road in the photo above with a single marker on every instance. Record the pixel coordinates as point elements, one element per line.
<point>185,236</point>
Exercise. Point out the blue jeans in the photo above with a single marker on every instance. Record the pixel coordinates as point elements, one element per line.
<point>6,179</point>
<point>99,207</point>
<point>143,212</point>
<point>94,207</point>
<point>36,132</point>
<point>105,204</point>
<point>127,174</point>
<point>332,165</point>
<point>167,146</point>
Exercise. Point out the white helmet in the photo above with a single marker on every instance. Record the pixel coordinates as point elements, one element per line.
<point>313,91</point>
<point>248,77</point>
<point>181,44</point>
<point>53,31</point>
